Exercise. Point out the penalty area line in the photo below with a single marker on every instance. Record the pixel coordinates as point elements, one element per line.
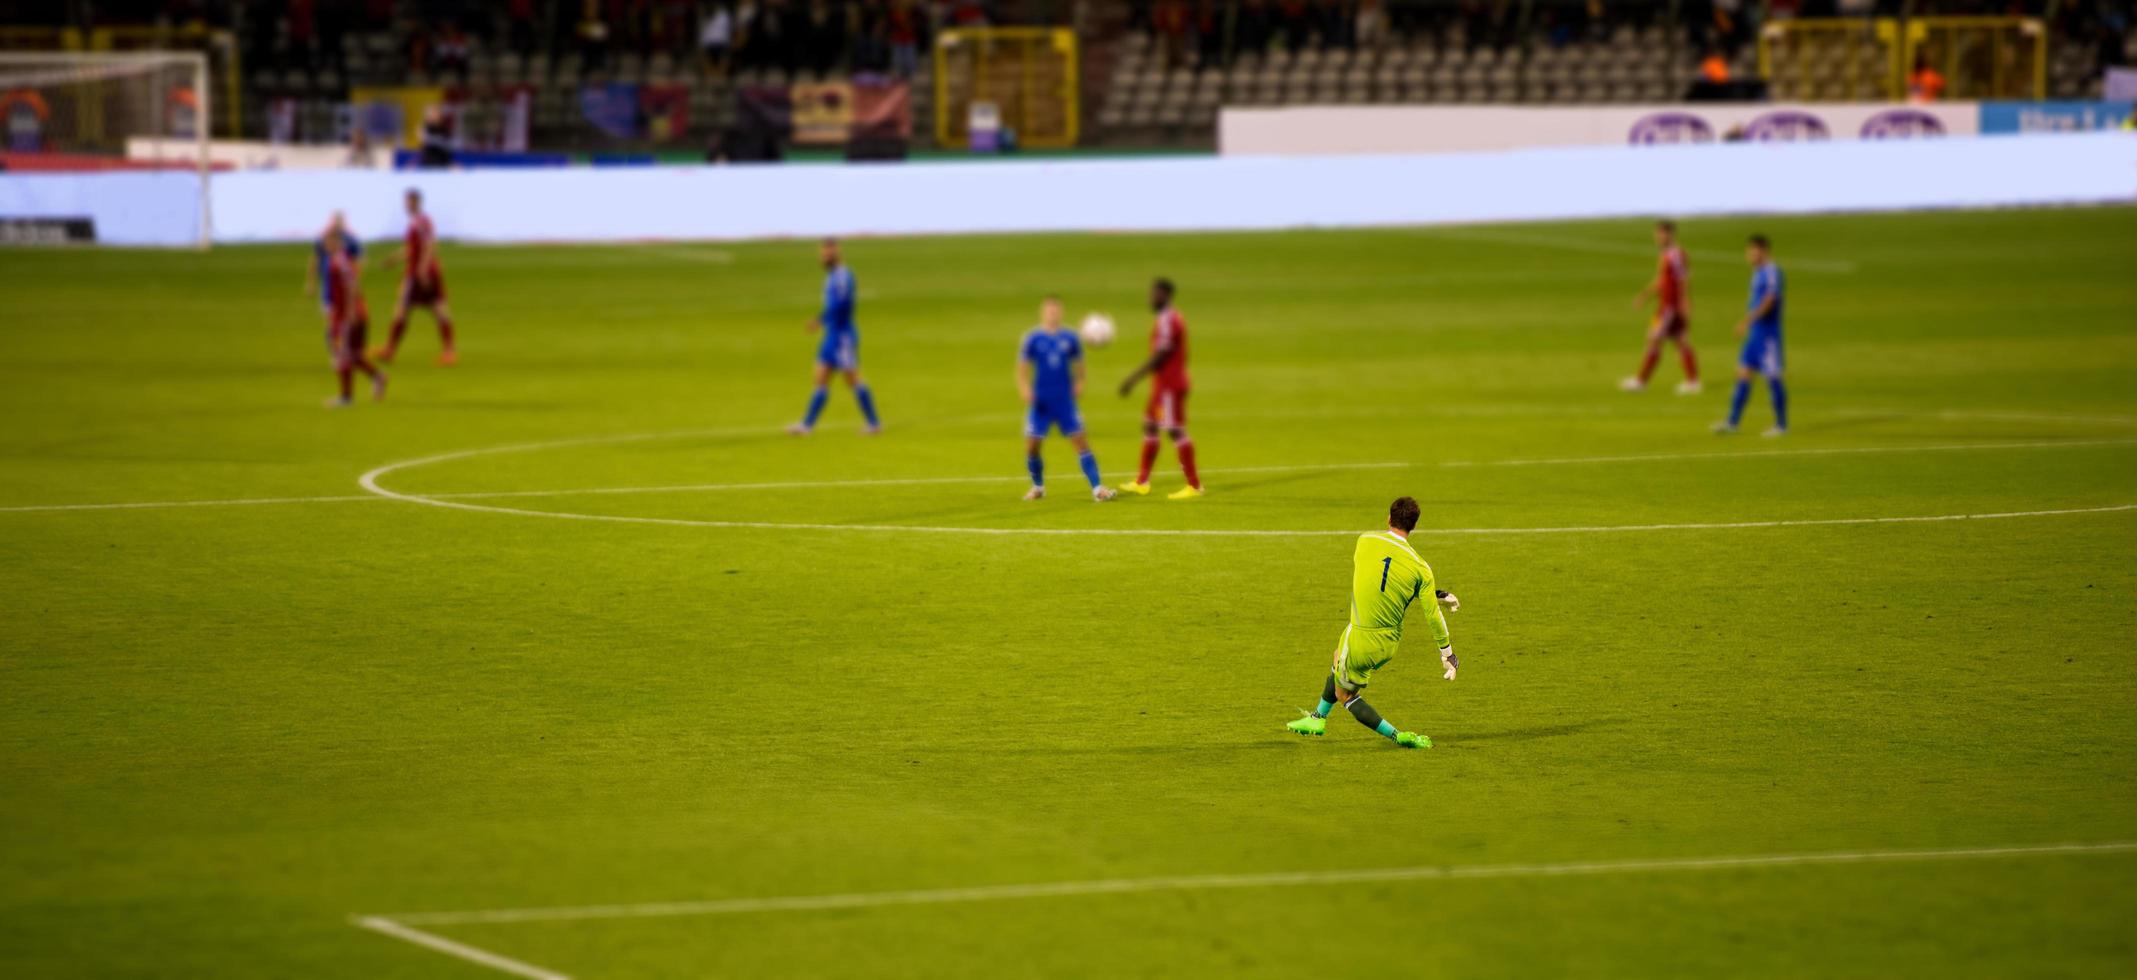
<point>1212,882</point>
<point>385,926</point>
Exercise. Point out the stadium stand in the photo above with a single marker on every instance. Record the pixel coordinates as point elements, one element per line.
<point>1154,72</point>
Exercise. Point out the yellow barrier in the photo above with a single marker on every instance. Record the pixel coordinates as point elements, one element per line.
<point>1867,59</point>
<point>1983,58</point>
<point>1029,74</point>
<point>1836,59</point>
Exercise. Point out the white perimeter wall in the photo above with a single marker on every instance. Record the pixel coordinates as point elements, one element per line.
<point>627,204</point>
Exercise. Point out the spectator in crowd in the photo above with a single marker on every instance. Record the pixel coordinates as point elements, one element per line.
<point>678,28</point>
<point>1207,28</point>
<point>1714,68</point>
<point>303,23</point>
<point>2112,26</point>
<point>360,152</point>
<point>825,37</point>
<point>1560,27</point>
<point>1253,28</point>
<point>1598,18</point>
<point>747,47</point>
<point>1483,24</point>
<point>449,52</point>
<point>436,152</point>
<point>1730,25</point>
<point>716,38</point>
<point>519,21</point>
<point>1168,21</point>
<point>794,39</point>
<point>593,36</point>
<point>869,24</point>
<point>1924,83</point>
<point>1296,22</point>
<point>1332,22</point>
<point>763,34</point>
<point>627,23</point>
<point>904,32</point>
<point>332,25</point>
<point>1372,25</point>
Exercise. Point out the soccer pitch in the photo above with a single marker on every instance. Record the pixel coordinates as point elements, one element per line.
<point>566,662</point>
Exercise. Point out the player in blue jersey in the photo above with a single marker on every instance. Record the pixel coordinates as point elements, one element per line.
<point>841,349</point>
<point>1050,376</point>
<point>1761,330</point>
<point>318,275</point>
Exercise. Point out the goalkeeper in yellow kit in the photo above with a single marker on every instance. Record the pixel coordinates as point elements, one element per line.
<point>1387,577</point>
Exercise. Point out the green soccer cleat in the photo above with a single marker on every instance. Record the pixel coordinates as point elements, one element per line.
<point>1309,725</point>
<point>1412,740</point>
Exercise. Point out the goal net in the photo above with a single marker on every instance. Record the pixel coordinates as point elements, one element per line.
<point>1021,80</point>
<point>78,112</point>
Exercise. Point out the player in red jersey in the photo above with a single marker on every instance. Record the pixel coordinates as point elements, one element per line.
<point>349,319</point>
<point>422,284</point>
<point>1673,313</point>
<point>1167,368</point>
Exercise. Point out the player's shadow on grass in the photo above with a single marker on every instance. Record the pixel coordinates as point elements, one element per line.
<point>1533,732</point>
<point>1180,749</point>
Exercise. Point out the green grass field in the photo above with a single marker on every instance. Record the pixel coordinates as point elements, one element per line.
<point>231,728</point>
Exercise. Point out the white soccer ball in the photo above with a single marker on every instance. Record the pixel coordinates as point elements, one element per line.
<point>1096,330</point>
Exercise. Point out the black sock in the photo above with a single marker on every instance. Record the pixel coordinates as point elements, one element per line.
<point>1328,690</point>
<point>1369,718</point>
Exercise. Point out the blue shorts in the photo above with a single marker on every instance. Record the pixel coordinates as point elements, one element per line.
<point>1045,415</point>
<point>840,352</point>
<point>1762,352</point>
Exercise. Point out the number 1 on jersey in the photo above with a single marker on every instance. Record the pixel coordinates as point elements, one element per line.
<point>1385,564</point>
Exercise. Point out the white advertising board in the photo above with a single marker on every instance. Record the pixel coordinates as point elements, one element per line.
<point>255,154</point>
<point>1346,130</point>
<point>594,204</point>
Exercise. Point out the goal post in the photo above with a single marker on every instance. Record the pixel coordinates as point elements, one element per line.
<point>1023,77</point>
<point>87,112</point>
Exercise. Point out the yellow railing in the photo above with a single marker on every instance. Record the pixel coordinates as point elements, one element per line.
<point>1028,73</point>
<point>1871,59</point>
<point>1838,59</point>
<point>1983,57</point>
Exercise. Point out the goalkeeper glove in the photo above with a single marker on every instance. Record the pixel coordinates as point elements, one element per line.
<point>1447,599</point>
<point>1448,660</point>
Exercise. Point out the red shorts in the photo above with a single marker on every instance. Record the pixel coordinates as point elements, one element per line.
<point>1167,407</point>
<point>414,293</point>
<point>351,347</point>
<point>1671,323</point>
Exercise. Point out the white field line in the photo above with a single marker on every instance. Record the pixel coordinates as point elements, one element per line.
<point>1278,879</point>
<point>894,482</point>
<point>1228,533</point>
<point>387,927</point>
<point>167,504</point>
<point>689,254</point>
<point>1754,453</point>
<point>370,481</point>
<point>1005,478</point>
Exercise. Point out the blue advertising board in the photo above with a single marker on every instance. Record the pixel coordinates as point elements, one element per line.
<point>2006,118</point>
